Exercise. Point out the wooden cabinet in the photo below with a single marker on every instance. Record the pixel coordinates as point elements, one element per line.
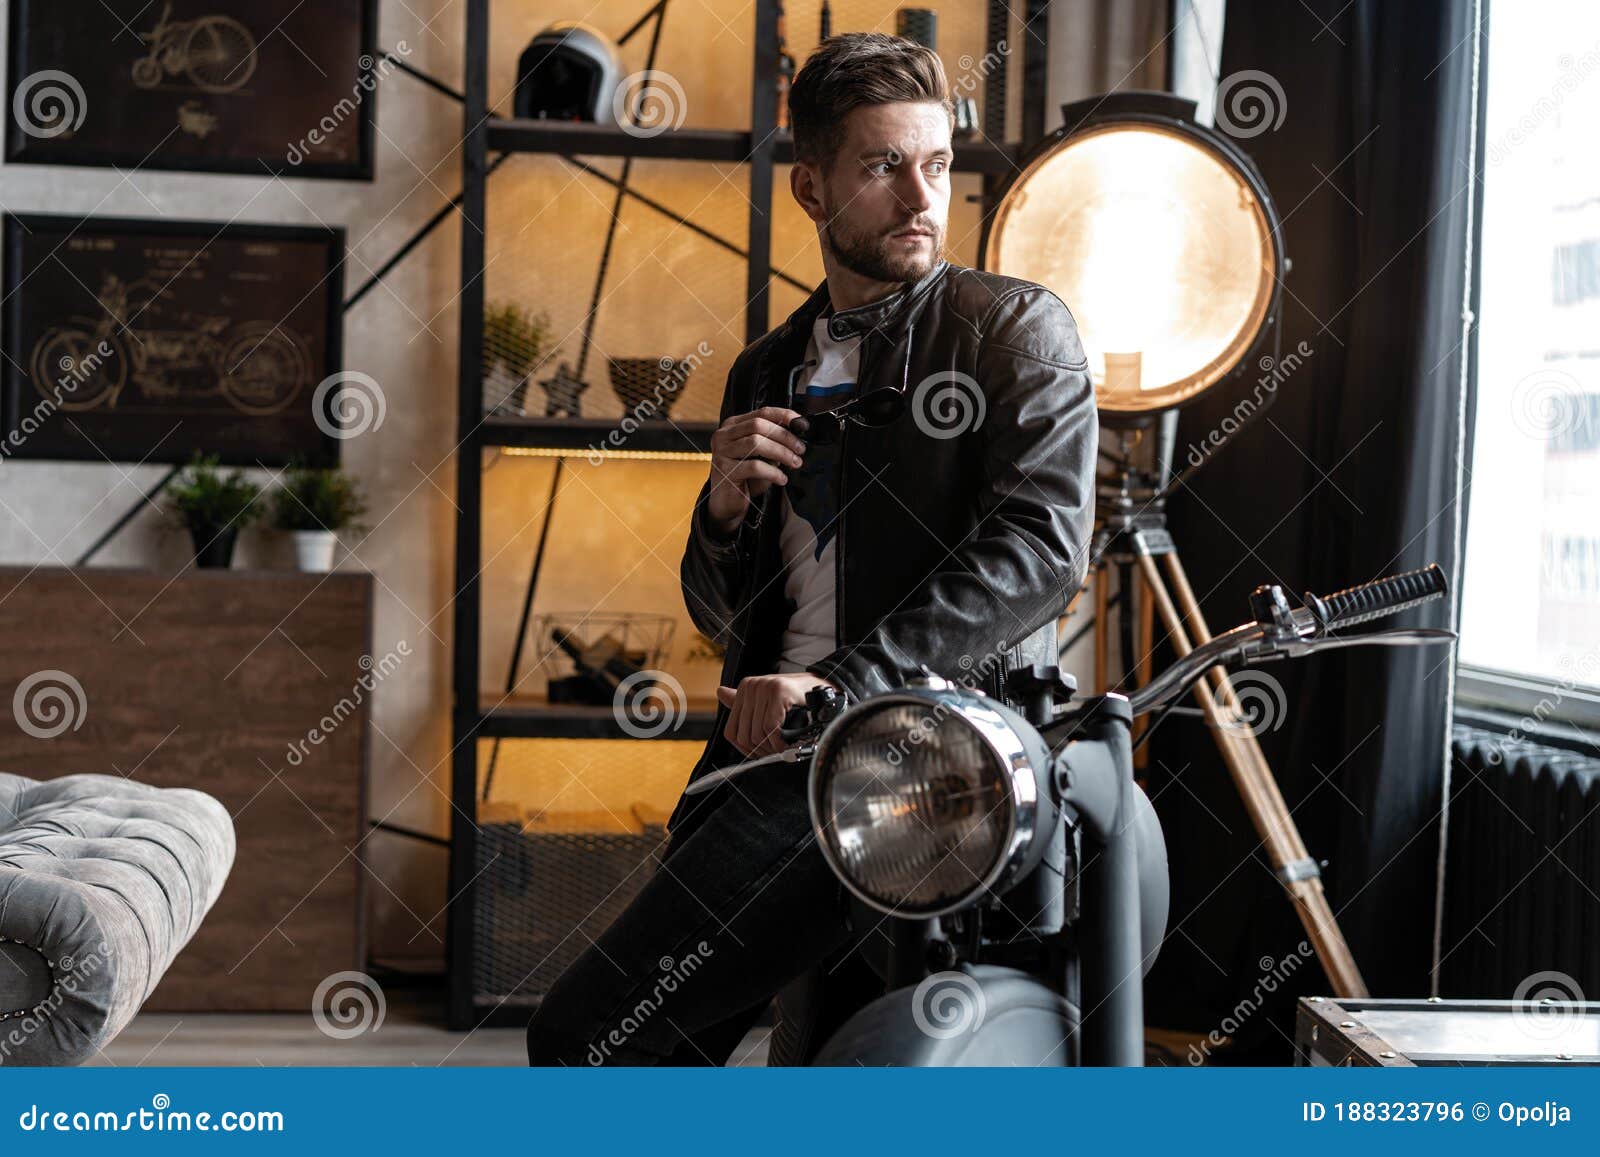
<point>248,685</point>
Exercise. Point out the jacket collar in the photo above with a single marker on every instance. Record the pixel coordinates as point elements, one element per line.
<point>887,315</point>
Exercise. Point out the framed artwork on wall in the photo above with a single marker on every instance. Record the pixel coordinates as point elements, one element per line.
<point>225,86</point>
<point>148,341</point>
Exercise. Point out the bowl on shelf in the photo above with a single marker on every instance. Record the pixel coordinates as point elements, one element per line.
<point>648,387</point>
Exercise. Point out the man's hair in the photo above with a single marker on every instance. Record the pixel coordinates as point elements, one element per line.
<point>854,69</point>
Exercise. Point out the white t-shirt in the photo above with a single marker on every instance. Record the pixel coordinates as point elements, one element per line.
<point>811,503</point>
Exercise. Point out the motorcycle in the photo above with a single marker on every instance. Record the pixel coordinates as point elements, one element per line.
<point>257,367</point>
<point>1017,869</point>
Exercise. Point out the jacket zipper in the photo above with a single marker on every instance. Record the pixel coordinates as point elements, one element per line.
<point>844,473</point>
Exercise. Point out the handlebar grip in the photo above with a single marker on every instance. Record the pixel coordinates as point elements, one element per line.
<point>1380,597</point>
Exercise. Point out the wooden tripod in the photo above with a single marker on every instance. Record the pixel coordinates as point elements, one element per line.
<point>1131,534</point>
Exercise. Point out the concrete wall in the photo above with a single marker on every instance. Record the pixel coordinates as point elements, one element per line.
<point>404,335</point>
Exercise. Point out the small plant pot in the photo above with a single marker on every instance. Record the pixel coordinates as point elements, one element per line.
<point>314,549</point>
<point>213,548</point>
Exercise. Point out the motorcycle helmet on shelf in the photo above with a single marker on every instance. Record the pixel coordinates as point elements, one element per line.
<point>569,72</point>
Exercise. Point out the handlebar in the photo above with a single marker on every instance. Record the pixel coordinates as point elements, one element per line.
<point>1279,632</point>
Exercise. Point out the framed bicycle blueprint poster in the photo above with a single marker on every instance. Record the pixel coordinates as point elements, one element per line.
<point>228,86</point>
<point>147,341</point>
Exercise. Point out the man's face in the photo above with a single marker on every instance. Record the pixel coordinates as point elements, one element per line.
<point>887,194</point>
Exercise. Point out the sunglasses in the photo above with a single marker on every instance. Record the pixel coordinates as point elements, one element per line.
<point>874,409</point>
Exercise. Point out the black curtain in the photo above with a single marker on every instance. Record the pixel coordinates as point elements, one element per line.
<point>1349,475</point>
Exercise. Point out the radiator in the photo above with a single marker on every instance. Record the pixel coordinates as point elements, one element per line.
<point>1522,871</point>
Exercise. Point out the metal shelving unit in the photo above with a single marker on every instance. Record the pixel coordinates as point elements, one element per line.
<point>487,142</point>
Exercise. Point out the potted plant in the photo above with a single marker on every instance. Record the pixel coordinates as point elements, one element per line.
<point>515,341</point>
<point>313,505</point>
<point>213,507</point>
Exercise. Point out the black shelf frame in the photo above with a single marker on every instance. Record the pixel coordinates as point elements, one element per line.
<point>730,146</point>
<point>514,720</point>
<point>581,435</point>
<point>487,142</point>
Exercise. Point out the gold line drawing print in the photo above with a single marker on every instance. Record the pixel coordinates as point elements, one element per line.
<point>258,367</point>
<point>216,53</point>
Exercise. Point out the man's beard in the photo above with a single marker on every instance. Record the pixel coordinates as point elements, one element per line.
<point>877,257</point>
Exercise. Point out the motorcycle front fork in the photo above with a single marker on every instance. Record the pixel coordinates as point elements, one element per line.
<point>1090,951</point>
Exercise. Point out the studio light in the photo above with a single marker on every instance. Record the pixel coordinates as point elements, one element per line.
<point>1161,237</point>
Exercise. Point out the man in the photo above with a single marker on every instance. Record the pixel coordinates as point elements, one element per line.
<point>946,528</point>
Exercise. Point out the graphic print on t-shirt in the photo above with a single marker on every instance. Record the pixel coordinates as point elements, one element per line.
<point>813,486</point>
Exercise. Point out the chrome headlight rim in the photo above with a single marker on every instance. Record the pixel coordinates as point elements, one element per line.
<point>1020,776</point>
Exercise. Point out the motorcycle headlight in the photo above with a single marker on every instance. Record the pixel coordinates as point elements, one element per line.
<point>923,799</point>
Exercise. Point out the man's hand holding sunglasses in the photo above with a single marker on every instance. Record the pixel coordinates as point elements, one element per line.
<point>748,454</point>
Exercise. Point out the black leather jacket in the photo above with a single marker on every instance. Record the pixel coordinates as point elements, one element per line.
<point>960,552</point>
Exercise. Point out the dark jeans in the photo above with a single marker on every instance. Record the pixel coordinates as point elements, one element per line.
<point>737,908</point>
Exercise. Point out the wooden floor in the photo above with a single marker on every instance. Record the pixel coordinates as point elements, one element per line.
<point>409,1035</point>
<point>412,1033</point>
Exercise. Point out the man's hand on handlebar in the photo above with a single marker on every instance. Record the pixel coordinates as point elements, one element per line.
<point>757,708</point>
<point>748,452</point>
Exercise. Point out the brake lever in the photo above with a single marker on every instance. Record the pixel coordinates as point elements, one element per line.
<point>710,779</point>
<point>1281,632</point>
<point>1395,637</point>
<point>803,724</point>
<point>1285,633</point>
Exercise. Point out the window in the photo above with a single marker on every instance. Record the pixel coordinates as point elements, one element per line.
<point>1531,591</point>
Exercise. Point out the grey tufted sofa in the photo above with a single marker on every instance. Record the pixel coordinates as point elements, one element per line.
<point>102,882</point>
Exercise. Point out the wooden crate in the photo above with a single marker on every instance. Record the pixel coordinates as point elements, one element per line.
<point>1408,1033</point>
